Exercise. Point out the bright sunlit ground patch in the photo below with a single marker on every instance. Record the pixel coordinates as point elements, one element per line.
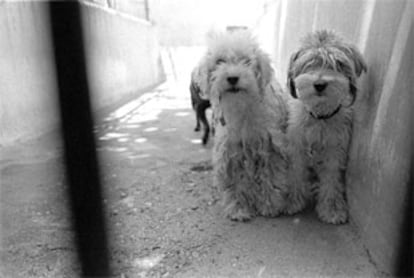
<point>151,129</point>
<point>139,156</point>
<point>131,126</point>
<point>131,106</point>
<point>115,135</point>
<point>148,262</point>
<point>195,141</point>
<point>123,140</point>
<point>116,149</point>
<point>141,140</point>
<point>182,114</point>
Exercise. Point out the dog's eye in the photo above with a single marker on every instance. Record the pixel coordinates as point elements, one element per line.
<point>340,66</point>
<point>220,61</point>
<point>247,61</point>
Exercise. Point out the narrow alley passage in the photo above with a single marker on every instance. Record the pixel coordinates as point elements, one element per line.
<point>163,213</point>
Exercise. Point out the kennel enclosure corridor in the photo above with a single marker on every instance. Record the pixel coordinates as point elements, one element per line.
<point>165,145</point>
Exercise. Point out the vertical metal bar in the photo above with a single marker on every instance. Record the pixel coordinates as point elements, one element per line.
<point>79,145</point>
<point>405,260</point>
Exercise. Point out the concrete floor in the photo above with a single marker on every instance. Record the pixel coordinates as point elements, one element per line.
<point>163,212</point>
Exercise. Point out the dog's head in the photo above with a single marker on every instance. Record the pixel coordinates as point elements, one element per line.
<point>234,65</point>
<point>323,73</point>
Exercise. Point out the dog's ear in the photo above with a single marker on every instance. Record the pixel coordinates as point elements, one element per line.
<point>291,74</point>
<point>291,86</point>
<point>353,91</point>
<point>264,69</point>
<point>359,61</point>
<point>359,66</point>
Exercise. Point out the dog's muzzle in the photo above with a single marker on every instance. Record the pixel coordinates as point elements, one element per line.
<point>327,116</point>
<point>233,80</point>
<point>233,90</point>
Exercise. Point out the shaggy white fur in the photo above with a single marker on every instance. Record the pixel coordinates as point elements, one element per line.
<point>322,81</point>
<point>250,166</point>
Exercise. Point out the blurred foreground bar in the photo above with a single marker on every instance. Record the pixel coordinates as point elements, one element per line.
<point>82,170</point>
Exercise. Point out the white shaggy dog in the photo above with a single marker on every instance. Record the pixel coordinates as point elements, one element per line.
<point>322,80</point>
<point>250,167</point>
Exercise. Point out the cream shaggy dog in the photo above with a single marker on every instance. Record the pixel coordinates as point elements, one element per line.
<point>322,79</point>
<point>250,167</point>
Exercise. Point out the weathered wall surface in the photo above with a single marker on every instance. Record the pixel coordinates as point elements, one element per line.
<point>27,80</point>
<point>381,152</point>
<point>122,51</point>
<point>122,54</point>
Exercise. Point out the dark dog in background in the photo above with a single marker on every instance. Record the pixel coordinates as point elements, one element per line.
<point>200,105</point>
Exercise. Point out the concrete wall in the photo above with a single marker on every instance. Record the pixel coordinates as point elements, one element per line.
<point>27,80</point>
<point>380,156</point>
<point>122,53</point>
<point>381,153</point>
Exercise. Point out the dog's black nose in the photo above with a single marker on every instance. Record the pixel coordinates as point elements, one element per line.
<point>232,80</point>
<point>320,86</point>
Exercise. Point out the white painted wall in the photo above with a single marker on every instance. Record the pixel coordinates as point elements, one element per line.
<point>381,152</point>
<point>27,80</point>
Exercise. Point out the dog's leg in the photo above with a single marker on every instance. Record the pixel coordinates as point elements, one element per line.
<point>273,204</point>
<point>297,196</point>
<point>298,193</point>
<point>331,203</point>
<point>197,127</point>
<point>213,124</point>
<point>271,176</point>
<point>234,206</point>
<point>201,115</point>
<point>234,209</point>
<point>195,102</point>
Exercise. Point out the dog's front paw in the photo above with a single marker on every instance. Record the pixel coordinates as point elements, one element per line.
<point>293,208</point>
<point>295,202</point>
<point>204,140</point>
<point>237,213</point>
<point>333,211</point>
<point>240,215</point>
<point>270,212</point>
